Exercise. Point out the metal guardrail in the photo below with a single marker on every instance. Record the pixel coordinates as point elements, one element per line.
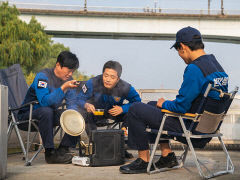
<point>124,9</point>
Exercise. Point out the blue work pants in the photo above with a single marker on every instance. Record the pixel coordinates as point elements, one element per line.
<point>48,118</point>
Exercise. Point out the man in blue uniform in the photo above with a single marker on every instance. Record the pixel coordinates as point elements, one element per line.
<point>201,70</point>
<point>50,88</point>
<point>106,91</point>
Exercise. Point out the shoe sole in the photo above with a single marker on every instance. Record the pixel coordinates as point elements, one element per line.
<point>66,162</point>
<point>132,171</point>
<point>168,166</point>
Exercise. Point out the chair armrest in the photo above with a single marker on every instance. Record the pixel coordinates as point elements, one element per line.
<point>179,114</point>
<point>24,105</point>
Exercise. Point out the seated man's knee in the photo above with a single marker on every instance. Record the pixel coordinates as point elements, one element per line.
<point>134,107</point>
<point>137,110</point>
<point>45,112</point>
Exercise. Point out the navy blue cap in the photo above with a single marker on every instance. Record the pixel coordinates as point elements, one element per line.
<point>187,35</point>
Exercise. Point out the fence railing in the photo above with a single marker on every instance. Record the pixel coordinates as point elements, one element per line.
<point>124,9</point>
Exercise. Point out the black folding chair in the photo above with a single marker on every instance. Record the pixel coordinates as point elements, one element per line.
<point>109,124</point>
<point>208,126</point>
<point>17,88</point>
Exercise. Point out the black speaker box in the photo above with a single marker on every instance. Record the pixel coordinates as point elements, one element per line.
<point>108,147</point>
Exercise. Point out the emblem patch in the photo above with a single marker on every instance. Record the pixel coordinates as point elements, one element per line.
<point>117,99</point>
<point>42,84</point>
<point>223,81</point>
<point>84,88</point>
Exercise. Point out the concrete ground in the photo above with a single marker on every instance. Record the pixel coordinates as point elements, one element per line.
<point>40,170</point>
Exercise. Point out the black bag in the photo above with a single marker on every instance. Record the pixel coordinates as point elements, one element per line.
<point>107,147</point>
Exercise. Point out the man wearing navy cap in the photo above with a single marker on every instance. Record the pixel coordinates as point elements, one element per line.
<point>201,70</point>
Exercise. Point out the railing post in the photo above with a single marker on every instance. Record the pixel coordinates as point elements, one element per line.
<point>155,5</point>
<point>209,6</point>
<point>3,130</point>
<point>222,8</point>
<point>85,5</point>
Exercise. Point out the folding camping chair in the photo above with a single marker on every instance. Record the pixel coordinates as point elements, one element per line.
<point>208,127</point>
<point>112,124</point>
<point>17,89</point>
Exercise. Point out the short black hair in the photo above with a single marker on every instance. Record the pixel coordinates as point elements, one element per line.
<point>113,65</point>
<point>193,45</point>
<point>68,59</point>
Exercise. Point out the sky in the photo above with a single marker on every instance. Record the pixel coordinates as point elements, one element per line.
<point>147,64</point>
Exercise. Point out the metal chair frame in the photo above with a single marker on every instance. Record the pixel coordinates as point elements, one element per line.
<point>13,122</point>
<point>31,122</point>
<point>188,134</point>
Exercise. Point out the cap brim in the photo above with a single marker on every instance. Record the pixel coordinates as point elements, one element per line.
<point>173,45</point>
<point>72,122</point>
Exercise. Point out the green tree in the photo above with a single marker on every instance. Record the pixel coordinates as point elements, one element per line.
<point>54,52</point>
<point>27,44</point>
<point>81,76</point>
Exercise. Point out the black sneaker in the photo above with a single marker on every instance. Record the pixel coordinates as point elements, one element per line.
<point>128,155</point>
<point>64,150</point>
<point>167,162</point>
<point>54,157</point>
<point>135,167</point>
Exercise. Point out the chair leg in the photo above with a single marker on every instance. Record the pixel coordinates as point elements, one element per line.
<point>33,138</point>
<point>195,158</point>
<point>20,140</point>
<point>229,163</point>
<point>155,146</point>
<point>154,151</point>
<point>210,174</point>
<point>198,163</point>
<point>29,162</point>
<point>13,124</point>
<point>28,140</point>
<point>40,139</point>
<point>184,155</point>
<point>10,128</point>
<point>187,134</point>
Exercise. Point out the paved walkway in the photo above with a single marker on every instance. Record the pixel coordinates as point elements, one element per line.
<point>42,171</point>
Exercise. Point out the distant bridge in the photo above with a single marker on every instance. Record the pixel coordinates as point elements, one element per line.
<point>133,25</point>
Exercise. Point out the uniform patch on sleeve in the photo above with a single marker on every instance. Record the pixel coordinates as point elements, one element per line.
<point>84,88</point>
<point>42,84</point>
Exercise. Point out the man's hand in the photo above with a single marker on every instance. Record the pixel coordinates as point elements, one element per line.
<point>89,107</point>
<point>115,111</point>
<point>160,102</point>
<point>69,84</point>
